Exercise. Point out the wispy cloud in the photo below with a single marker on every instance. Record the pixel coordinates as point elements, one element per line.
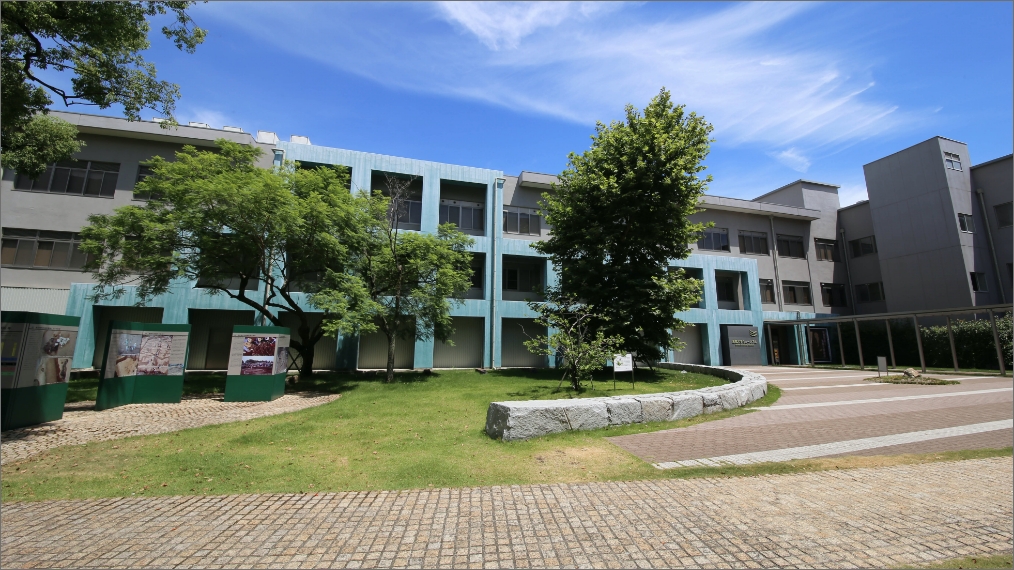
<point>736,65</point>
<point>215,119</point>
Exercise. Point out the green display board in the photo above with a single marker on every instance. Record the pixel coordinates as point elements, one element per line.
<point>258,361</point>
<point>143,364</point>
<point>36,351</point>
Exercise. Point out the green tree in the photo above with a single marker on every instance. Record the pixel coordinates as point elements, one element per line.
<point>620,214</point>
<point>100,45</point>
<point>218,219</point>
<point>577,339</point>
<point>411,278</point>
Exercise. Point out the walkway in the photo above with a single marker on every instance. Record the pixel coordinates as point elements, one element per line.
<point>82,424</point>
<point>827,413</point>
<point>874,517</point>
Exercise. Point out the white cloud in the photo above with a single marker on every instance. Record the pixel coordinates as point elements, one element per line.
<point>737,65</point>
<point>792,158</point>
<point>215,119</point>
<point>849,194</point>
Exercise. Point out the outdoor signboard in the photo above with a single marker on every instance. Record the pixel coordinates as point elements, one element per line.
<point>623,363</point>
<point>258,361</point>
<point>143,364</point>
<point>740,345</point>
<point>36,351</point>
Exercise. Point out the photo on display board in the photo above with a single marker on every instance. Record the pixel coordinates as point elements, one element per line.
<point>52,370</point>
<point>153,355</point>
<point>282,360</point>
<point>128,347</point>
<point>258,356</point>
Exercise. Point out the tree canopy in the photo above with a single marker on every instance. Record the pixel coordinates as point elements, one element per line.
<point>99,44</point>
<point>218,219</point>
<point>620,213</point>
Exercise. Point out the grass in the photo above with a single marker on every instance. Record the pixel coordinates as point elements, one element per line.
<point>991,561</point>
<point>902,379</point>
<point>422,430</point>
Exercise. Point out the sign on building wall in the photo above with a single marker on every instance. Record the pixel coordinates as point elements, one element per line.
<point>143,364</point>
<point>258,362</point>
<point>740,345</point>
<point>36,351</point>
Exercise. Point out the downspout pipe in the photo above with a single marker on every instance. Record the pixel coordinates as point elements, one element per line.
<point>848,271</point>
<point>989,240</point>
<point>494,238</point>
<point>774,257</point>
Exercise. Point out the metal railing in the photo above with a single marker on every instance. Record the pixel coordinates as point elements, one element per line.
<point>887,317</point>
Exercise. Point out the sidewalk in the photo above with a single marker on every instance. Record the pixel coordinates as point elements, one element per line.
<point>873,517</point>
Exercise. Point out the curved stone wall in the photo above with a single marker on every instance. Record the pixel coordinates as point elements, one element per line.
<point>512,421</point>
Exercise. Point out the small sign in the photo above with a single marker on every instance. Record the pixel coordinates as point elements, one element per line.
<point>881,365</point>
<point>623,363</point>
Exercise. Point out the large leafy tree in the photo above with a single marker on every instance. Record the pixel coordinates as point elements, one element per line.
<point>99,45</point>
<point>620,214</point>
<point>411,278</point>
<point>218,219</point>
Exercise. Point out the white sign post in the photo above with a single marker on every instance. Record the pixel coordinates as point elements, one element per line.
<point>881,365</point>
<point>623,363</point>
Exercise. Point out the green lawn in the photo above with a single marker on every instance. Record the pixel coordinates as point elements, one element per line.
<point>989,561</point>
<point>422,430</point>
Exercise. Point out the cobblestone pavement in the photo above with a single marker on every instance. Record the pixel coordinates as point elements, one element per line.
<point>873,517</point>
<point>82,424</point>
<point>848,412</point>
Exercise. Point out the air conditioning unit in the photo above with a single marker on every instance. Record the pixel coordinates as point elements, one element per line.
<point>298,139</point>
<point>267,137</point>
<point>201,125</point>
<point>232,129</point>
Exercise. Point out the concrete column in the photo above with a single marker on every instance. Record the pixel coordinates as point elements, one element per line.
<point>950,337</point>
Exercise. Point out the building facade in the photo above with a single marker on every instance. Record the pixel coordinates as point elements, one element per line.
<point>787,254</point>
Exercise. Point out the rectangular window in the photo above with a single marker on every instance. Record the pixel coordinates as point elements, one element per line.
<point>767,291</point>
<point>142,173</point>
<point>978,282</point>
<point>523,278</point>
<point>42,249</point>
<point>753,242</point>
<point>410,212</point>
<point>522,221</point>
<point>79,177</point>
<point>827,250</point>
<point>952,161</point>
<point>714,239</point>
<point>966,223</point>
<point>1004,214</point>
<point>833,295</point>
<point>726,289</point>
<point>863,246</point>
<point>870,292</point>
<point>790,246</point>
<point>796,292</point>
<point>465,215</point>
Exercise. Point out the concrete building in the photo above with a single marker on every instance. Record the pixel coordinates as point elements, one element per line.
<point>779,256</point>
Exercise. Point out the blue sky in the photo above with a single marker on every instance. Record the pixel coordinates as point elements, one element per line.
<point>794,90</point>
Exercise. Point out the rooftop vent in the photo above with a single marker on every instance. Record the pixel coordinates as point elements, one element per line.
<point>201,125</point>
<point>158,120</point>
<point>267,137</point>
<point>298,139</point>
<point>232,129</point>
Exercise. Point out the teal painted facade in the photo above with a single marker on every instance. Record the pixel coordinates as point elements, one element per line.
<point>492,307</point>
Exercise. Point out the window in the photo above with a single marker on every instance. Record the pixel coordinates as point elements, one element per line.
<point>524,221</point>
<point>952,161</point>
<point>714,239</point>
<point>796,292</point>
<point>827,250</point>
<point>522,278</point>
<point>863,246</point>
<point>978,282</point>
<point>77,177</point>
<point>833,295</point>
<point>767,291</point>
<point>35,248</point>
<point>1004,214</point>
<point>410,212</point>
<point>965,223</point>
<point>465,215</point>
<point>870,292</point>
<point>726,289</point>
<point>478,269</point>
<point>142,173</point>
<point>753,242</point>
<point>790,246</point>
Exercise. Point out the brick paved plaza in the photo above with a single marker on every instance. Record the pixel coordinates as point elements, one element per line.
<point>869,517</point>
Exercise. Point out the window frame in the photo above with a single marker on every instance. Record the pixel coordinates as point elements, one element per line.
<point>966,223</point>
<point>978,279</point>
<point>707,240</point>
<point>751,237</point>
<point>767,286</point>
<point>73,169</point>
<point>75,259</point>
<point>951,159</point>
<point>833,295</point>
<point>821,247</point>
<point>532,217</point>
<point>858,243</point>
<point>790,243</point>
<point>789,292</point>
<point>1008,210</point>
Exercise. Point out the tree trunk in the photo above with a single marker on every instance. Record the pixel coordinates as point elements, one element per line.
<point>306,366</point>
<point>390,357</point>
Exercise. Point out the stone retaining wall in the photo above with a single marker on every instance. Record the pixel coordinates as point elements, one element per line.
<point>512,421</point>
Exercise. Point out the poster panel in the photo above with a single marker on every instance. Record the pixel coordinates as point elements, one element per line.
<point>258,354</point>
<point>12,343</point>
<point>146,353</point>
<point>47,355</point>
